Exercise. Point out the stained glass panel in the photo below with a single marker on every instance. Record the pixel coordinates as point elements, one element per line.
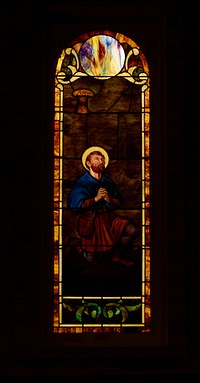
<point>102,92</point>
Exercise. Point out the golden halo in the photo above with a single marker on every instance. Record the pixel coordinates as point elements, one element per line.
<point>93,149</point>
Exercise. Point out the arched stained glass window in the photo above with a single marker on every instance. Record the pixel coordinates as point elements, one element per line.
<point>102,106</point>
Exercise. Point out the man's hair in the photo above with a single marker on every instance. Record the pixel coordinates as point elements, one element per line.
<point>91,154</point>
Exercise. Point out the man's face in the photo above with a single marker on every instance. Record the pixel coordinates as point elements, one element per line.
<point>96,163</point>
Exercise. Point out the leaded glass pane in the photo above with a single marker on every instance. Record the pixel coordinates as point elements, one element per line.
<point>102,91</point>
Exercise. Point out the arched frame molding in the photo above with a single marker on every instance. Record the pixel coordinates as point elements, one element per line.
<point>150,33</point>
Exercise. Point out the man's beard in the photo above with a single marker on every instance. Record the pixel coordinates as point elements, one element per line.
<point>98,169</point>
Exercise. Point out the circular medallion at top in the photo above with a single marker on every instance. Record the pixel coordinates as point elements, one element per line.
<point>102,56</point>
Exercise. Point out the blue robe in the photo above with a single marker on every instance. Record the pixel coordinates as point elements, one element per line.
<point>107,225</point>
<point>87,187</point>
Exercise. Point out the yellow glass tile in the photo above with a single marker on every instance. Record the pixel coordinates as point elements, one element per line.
<point>57,116</point>
<point>55,268</point>
<point>147,190</point>
<point>60,61</point>
<point>147,235</point>
<point>147,115</point>
<point>55,234</point>
<point>147,99</point>
<point>147,289</point>
<point>146,144</point>
<point>147,126</point>
<point>147,269</point>
<point>56,143</point>
<point>56,190</point>
<point>148,254</point>
<point>147,169</point>
<point>56,168</point>
<point>57,97</point>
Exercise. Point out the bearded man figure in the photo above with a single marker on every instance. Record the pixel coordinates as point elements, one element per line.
<point>95,197</point>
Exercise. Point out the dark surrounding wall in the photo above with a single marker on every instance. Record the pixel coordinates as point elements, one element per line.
<point>26,189</point>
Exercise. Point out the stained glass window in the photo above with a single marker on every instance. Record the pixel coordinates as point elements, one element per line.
<point>102,106</point>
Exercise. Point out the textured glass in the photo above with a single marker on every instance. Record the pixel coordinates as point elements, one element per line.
<point>102,56</point>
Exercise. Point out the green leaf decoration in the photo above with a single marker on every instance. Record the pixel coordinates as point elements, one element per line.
<point>133,308</point>
<point>124,313</point>
<point>109,311</point>
<point>68,307</point>
<point>90,309</point>
<point>79,313</point>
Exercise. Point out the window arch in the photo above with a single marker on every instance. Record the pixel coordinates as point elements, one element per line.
<point>102,99</point>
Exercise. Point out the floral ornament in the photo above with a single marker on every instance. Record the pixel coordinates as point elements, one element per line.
<point>110,311</point>
<point>69,64</point>
<point>89,309</point>
<point>73,65</point>
<point>134,71</point>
